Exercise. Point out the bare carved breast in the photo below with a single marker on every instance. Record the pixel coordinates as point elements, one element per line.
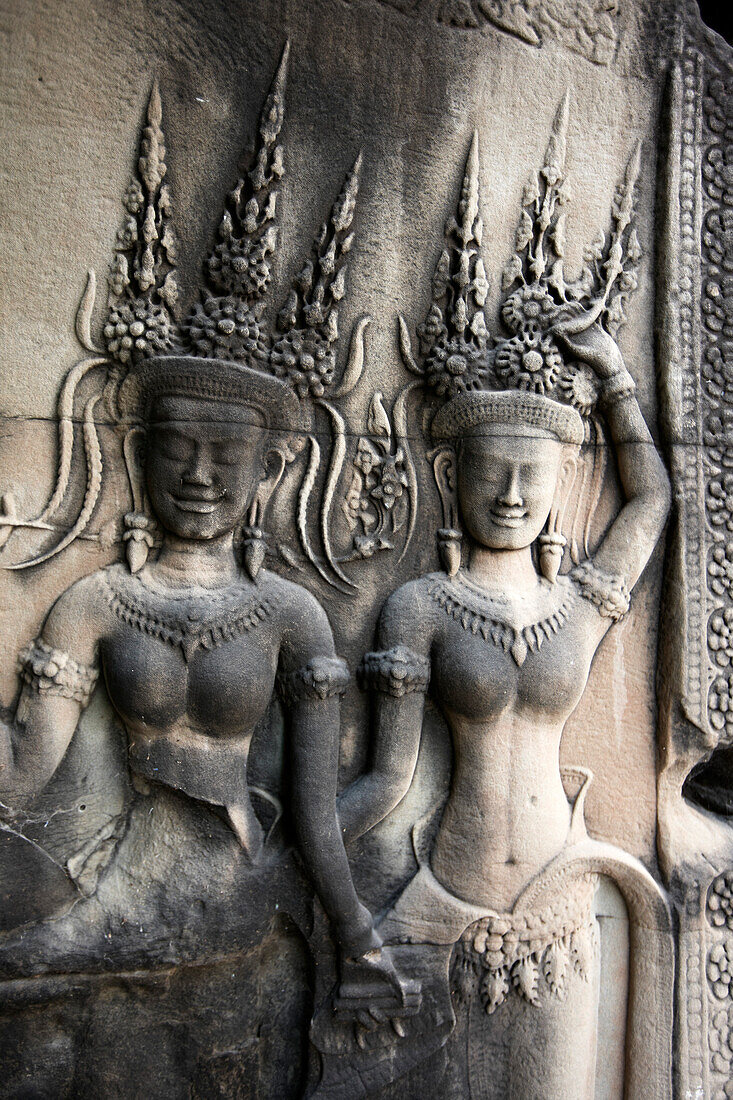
<point>483,666</point>
<point>206,662</point>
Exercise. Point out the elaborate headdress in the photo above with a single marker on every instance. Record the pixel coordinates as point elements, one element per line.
<point>224,349</point>
<point>525,377</point>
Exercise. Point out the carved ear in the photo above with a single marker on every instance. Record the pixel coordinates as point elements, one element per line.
<point>566,476</point>
<point>133,448</point>
<point>552,541</point>
<point>276,460</point>
<point>445,470</point>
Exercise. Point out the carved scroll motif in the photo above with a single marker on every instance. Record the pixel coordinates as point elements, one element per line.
<point>227,323</point>
<point>716,370</point>
<point>587,27</point>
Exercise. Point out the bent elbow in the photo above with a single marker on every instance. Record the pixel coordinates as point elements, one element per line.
<point>660,500</point>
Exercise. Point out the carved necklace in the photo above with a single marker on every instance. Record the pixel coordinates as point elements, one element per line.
<point>481,613</point>
<point>192,620</point>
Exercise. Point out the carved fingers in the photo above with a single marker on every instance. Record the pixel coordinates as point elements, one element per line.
<point>586,339</point>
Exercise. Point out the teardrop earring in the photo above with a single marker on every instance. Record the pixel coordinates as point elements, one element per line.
<point>138,539</point>
<point>254,547</point>
<point>552,545</point>
<point>253,544</point>
<point>450,541</point>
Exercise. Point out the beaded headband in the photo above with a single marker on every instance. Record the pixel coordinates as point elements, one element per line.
<point>467,410</point>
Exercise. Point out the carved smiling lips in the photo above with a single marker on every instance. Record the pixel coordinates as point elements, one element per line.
<point>508,517</point>
<point>202,504</point>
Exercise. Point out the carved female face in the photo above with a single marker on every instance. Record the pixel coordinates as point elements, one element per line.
<point>204,460</point>
<point>507,479</point>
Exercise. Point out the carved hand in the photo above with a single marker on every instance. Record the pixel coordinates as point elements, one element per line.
<point>592,345</point>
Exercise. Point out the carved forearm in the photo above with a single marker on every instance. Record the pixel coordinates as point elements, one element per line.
<point>641,469</point>
<point>55,690</point>
<point>636,530</point>
<point>33,746</point>
<point>315,737</point>
<point>399,679</point>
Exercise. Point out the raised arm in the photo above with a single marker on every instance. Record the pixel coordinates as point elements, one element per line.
<point>311,680</point>
<point>58,671</point>
<point>630,540</point>
<point>397,673</point>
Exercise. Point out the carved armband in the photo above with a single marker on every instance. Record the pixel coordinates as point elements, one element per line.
<point>321,678</point>
<point>617,387</point>
<point>397,671</point>
<point>607,591</point>
<point>51,672</point>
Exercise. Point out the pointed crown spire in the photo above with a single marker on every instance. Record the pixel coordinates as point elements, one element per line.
<point>142,283</point>
<point>539,296</point>
<point>227,325</point>
<point>454,337</point>
<point>304,354</point>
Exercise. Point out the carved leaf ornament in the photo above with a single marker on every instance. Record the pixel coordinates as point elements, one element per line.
<point>227,324</point>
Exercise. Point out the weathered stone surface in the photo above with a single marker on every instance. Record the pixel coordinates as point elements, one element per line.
<point>399,471</point>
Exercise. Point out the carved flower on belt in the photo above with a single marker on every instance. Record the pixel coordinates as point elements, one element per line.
<point>720,501</point>
<point>720,901</point>
<point>720,707</point>
<point>720,636</point>
<point>720,968</point>
<point>392,480</point>
<point>720,570</point>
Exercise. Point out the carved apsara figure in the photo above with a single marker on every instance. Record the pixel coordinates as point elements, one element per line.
<point>501,907</point>
<point>192,637</point>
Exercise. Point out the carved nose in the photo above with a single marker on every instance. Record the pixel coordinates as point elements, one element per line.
<point>199,471</point>
<point>511,497</point>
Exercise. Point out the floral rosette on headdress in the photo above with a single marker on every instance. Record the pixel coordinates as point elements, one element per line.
<point>225,349</point>
<point>541,298</point>
<point>458,357</point>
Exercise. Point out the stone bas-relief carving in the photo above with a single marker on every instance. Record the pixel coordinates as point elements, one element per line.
<point>193,637</point>
<point>293,532</point>
<point>588,27</point>
<point>501,906</point>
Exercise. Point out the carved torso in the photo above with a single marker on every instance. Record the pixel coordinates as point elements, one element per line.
<point>204,661</point>
<point>192,671</point>
<point>507,677</point>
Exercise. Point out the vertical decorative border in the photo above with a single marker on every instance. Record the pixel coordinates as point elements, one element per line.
<point>696,656</point>
<point>716,330</point>
<point>686,367</point>
<point>719,983</point>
